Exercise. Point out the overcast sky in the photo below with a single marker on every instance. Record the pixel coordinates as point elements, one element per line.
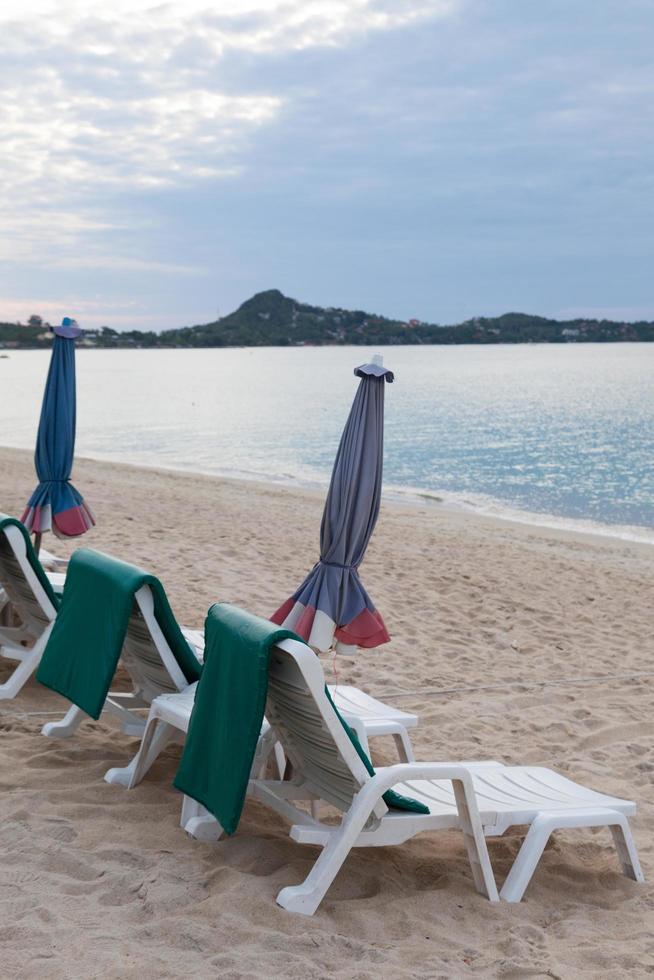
<point>436,159</point>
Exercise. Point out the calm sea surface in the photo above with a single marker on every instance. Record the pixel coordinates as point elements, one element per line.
<point>548,433</point>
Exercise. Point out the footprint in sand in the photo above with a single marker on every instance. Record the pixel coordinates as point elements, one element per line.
<point>61,830</point>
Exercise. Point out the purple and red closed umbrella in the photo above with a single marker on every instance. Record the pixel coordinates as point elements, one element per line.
<point>332,606</point>
<point>56,505</point>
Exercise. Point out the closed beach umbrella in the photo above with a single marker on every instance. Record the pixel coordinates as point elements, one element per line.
<point>56,505</point>
<point>331,605</point>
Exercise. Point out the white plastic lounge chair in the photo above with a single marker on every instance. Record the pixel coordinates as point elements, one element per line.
<point>170,715</point>
<point>483,798</point>
<point>368,716</point>
<point>20,588</point>
<point>151,665</point>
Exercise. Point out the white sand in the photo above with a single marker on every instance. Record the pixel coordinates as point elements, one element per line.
<point>501,637</point>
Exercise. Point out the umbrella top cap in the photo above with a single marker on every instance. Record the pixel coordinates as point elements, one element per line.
<point>374,369</point>
<point>68,329</point>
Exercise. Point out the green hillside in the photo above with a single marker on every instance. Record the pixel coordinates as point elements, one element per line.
<point>272,319</point>
<point>21,335</point>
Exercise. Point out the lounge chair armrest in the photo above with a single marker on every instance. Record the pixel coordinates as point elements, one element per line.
<point>389,776</point>
<point>466,805</point>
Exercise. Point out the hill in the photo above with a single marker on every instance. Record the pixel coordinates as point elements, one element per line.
<point>270,319</point>
<point>22,335</point>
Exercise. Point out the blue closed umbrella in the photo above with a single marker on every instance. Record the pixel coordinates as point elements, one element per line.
<point>56,505</point>
<point>331,605</point>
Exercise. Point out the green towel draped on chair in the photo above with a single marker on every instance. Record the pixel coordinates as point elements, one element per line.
<point>82,654</point>
<point>228,713</point>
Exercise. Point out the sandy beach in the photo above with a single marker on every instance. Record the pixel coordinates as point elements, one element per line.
<point>511,642</point>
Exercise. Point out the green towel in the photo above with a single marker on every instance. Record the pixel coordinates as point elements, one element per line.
<point>82,653</point>
<point>229,706</point>
<point>32,557</point>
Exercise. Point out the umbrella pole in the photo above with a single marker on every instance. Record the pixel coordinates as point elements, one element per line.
<point>37,542</point>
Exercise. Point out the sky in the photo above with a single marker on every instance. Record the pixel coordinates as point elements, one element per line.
<point>437,159</point>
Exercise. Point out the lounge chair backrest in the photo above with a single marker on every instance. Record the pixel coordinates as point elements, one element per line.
<point>17,578</point>
<point>146,655</point>
<point>309,729</point>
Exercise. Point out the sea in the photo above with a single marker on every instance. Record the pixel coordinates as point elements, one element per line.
<point>556,435</point>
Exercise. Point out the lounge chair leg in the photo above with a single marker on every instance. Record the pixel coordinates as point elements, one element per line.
<point>68,724</point>
<point>134,728</point>
<point>198,822</point>
<point>26,667</point>
<point>527,860</point>
<point>280,759</point>
<point>158,734</point>
<point>359,729</point>
<point>403,746</point>
<point>362,735</point>
<point>267,746</point>
<point>473,836</point>
<point>626,848</point>
<point>306,898</point>
<point>534,844</point>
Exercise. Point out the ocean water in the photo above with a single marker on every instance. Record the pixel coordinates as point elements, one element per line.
<point>551,434</point>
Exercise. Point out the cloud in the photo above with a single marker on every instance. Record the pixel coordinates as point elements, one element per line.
<point>93,106</point>
<point>57,139</point>
<point>437,158</point>
<point>50,307</point>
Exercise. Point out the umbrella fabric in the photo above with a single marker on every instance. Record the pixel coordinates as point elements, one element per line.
<point>332,604</point>
<point>56,505</point>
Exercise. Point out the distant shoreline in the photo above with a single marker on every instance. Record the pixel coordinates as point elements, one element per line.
<point>270,319</point>
<point>6,350</point>
<point>548,526</point>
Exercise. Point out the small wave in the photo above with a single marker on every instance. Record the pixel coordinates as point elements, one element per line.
<point>492,507</point>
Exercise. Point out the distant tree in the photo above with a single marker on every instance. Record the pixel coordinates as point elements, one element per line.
<point>35,321</point>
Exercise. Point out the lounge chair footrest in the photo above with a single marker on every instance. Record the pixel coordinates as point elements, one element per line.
<point>546,823</point>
